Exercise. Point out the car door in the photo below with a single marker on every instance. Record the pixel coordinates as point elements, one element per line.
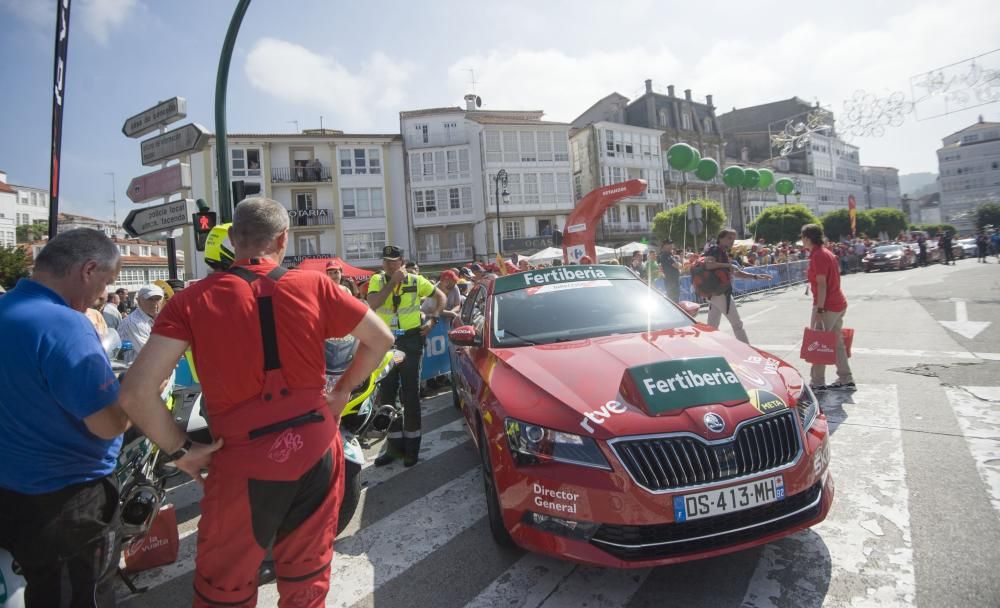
<point>468,380</point>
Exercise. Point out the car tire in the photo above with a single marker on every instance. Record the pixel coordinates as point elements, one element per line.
<point>868,269</point>
<point>497,527</point>
<point>455,399</point>
<point>352,494</point>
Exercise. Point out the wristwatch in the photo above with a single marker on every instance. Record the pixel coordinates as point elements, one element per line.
<point>181,452</point>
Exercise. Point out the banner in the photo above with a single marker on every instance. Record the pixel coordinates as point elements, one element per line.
<point>579,237</point>
<point>852,209</point>
<point>436,361</point>
<point>58,97</point>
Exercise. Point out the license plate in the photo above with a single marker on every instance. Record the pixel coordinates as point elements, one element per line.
<point>729,500</point>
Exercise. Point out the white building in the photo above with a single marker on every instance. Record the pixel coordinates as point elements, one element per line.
<point>8,213</point>
<point>453,157</point>
<point>344,192</point>
<point>881,187</point>
<point>969,172</point>
<point>70,221</point>
<point>142,261</point>
<point>605,153</point>
<point>837,171</point>
<point>32,205</point>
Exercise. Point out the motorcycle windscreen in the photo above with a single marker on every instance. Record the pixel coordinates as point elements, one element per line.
<point>339,354</point>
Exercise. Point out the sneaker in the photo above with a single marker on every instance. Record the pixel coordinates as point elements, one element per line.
<point>819,387</point>
<point>385,458</point>
<point>842,386</point>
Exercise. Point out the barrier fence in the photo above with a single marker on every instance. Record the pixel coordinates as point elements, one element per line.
<point>789,273</point>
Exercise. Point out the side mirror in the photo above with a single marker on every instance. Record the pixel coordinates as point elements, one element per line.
<point>691,308</point>
<point>464,336</point>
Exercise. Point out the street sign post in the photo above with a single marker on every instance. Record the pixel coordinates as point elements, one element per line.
<point>188,139</point>
<point>159,217</point>
<point>152,119</point>
<point>164,182</point>
<point>696,226</point>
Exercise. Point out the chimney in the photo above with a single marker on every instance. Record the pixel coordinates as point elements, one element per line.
<point>708,101</point>
<point>670,90</point>
<point>649,85</point>
<point>472,102</point>
<point>3,177</point>
<point>687,94</point>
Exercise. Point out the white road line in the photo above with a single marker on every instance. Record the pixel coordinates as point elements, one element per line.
<point>379,553</point>
<point>432,444</point>
<point>979,419</point>
<point>759,313</point>
<point>862,554</point>
<point>894,352</point>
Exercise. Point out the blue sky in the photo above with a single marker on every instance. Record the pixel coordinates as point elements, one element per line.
<point>358,64</point>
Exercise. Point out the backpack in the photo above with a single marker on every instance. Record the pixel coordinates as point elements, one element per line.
<point>707,283</point>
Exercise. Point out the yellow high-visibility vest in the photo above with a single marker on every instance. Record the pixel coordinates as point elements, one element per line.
<point>401,310</point>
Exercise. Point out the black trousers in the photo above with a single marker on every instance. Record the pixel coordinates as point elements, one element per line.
<point>949,255</point>
<point>673,288</point>
<point>404,380</point>
<point>66,542</point>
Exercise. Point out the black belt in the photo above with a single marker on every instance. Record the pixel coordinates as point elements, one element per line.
<point>310,418</point>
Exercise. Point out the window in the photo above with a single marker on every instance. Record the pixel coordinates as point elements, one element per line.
<point>560,147</point>
<point>528,153</point>
<point>577,187</point>
<point>362,202</point>
<point>650,213</point>
<point>545,146</point>
<point>463,161</point>
<point>493,150</point>
<point>450,130</point>
<point>432,243</point>
<point>307,245</point>
<point>510,153</point>
<point>363,245</point>
<point>245,162</point>
<point>131,276</point>
<point>531,189</point>
<point>633,214</point>
<point>439,165</point>
<point>345,161</point>
<point>458,242</point>
<point>374,161</point>
<point>613,215</point>
<point>663,118</point>
<point>609,142</point>
<point>708,125</point>
<point>361,161</point>
<point>548,183</point>
<point>686,121</point>
<point>454,198</point>
<point>428,158</point>
<point>24,199</point>
<point>360,166</point>
<point>144,251</point>
<point>422,133</point>
<point>544,227</point>
<point>123,250</point>
<point>452,161</point>
<point>512,229</point>
<point>159,274</point>
<point>424,201</point>
<point>34,199</point>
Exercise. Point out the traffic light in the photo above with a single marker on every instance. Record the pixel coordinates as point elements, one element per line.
<point>557,238</point>
<point>204,221</point>
<point>242,190</point>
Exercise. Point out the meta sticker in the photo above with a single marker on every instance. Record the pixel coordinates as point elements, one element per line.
<point>766,402</point>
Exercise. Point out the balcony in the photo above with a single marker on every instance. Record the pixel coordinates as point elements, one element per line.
<point>626,227</point>
<point>310,217</point>
<point>455,254</point>
<point>446,213</point>
<point>300,175</point>
<point>416,140</point>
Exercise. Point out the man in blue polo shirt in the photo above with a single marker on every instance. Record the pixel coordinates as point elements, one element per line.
<point>60,425</point>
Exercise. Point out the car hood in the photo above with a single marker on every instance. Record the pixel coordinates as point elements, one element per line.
<point>576,385</point>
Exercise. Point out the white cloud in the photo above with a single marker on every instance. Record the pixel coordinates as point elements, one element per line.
<point>41,14</point>
<point>102,16</point>
<point>293,73</point>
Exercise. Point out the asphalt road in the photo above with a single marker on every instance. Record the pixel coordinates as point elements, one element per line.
<point>916,458</point>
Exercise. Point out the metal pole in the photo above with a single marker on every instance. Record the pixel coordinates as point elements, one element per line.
<point>172,257</point>
<point>221,143</point>
<point>114,200</point>
<point>496,199</point>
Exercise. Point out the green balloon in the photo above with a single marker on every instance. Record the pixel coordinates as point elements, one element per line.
<point>733,176</point>
<point>766,178</point>
<point>750,178</point>
<point>784,186</point>
<point>707,169</point>
<point>694,161</point>
<point>682,156</point>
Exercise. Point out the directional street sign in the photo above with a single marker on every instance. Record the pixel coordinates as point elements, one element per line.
<point>159,217</point>
<point>163,113</point>
<point>164,182</point>
<point>186,140</point>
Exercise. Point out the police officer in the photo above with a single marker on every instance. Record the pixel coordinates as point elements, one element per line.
<point>395,295</point>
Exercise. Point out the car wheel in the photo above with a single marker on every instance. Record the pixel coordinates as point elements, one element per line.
<point>455,399</point>
<point>497,528</point>
<point>352,494</point>
<point>868,269</point>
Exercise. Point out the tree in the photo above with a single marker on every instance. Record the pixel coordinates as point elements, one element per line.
<point>32,232</point>
<point>837,225</point>
<point>889,221</point>
<point>14,265</point>
<point>934,230</point>
<point>781,223</point>
<point>988,214</point>
<point>672,224</point>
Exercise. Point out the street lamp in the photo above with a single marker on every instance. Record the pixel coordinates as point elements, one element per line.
<point>501,178</point>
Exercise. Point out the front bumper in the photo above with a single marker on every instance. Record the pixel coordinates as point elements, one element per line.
<point>627,526</point>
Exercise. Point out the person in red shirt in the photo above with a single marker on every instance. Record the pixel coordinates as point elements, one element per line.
<point>276,472</point>
<point>829,305</point>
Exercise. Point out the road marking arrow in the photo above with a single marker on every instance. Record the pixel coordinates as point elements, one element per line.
<point>962,325</point>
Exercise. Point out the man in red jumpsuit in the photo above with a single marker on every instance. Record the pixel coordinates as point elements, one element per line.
<point>275,472</point>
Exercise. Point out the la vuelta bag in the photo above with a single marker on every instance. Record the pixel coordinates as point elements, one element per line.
<point>848,335</point>
<point>159,547</point>
<point>819,346</point>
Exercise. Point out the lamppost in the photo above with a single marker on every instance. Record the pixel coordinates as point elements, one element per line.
<point>501,178</point>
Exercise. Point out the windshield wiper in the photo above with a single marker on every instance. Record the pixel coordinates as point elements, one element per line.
<point>507,332</point>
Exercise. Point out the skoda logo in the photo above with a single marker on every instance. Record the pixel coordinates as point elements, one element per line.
<point>714,423</point>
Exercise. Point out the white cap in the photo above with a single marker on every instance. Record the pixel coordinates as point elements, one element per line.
<point>149,291</point>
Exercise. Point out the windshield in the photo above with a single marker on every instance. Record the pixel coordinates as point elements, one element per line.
<point>339,353</point>
<point>583,309</point>
<point>888,249</point>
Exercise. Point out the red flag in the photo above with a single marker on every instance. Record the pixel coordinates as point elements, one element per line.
<point>852,210</point>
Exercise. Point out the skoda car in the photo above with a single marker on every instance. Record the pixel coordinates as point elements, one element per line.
<point>615,430</point>
<point>884,257</point>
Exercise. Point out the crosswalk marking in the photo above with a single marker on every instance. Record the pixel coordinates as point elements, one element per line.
<point>384,550</point>
<point>861,555</point>
<point>978,411</point>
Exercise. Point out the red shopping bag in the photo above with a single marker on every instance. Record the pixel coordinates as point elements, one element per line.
<point>848,335</point>
<point>159,547</point>
<point>819,346</point>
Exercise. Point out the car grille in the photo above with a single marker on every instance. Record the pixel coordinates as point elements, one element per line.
<point>672,462</point>
<point>633,543</point>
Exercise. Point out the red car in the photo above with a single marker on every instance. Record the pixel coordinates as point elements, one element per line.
<point>615,430</point>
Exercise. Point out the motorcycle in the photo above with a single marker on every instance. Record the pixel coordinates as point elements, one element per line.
<point>141,479</point>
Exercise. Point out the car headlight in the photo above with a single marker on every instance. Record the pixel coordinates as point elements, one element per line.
<point>808,407</point>
<point>532,444</point>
